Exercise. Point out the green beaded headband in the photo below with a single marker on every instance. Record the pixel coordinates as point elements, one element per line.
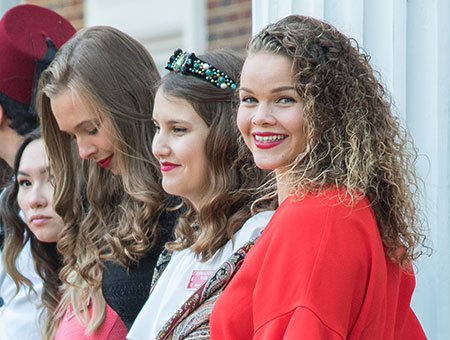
<point>188,63</point>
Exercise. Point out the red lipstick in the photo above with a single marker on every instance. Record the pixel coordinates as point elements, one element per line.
<point>105,162</point>
<point>268,140</point>
<point>167,166</point>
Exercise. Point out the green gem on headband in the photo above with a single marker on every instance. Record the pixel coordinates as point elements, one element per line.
<point>188,63</point>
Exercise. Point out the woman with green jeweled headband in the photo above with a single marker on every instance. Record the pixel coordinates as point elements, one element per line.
<point>204,161</point>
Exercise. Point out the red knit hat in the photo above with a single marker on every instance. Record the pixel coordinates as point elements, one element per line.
<point>26,31</point>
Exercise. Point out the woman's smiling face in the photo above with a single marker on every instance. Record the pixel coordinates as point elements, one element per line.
<point>179,146</point>
<point>270,115</point>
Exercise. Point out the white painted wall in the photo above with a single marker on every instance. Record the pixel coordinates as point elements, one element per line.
<point>162,26</point>
<point>7,4</point>
<point>409,44</point>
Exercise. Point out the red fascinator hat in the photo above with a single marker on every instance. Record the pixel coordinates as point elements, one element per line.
<point>29,38</point>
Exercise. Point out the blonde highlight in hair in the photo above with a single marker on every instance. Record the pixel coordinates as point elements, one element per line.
<point>353,138</point>
<point>232,176</point>
<point>79,296</point>
<point>114,76</point>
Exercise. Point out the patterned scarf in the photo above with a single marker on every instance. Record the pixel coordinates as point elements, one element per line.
<point>191,321</point>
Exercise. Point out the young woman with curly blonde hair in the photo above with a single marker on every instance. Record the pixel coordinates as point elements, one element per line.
<point>335,260</point>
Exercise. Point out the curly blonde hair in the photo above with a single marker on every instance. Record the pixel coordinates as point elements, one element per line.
<point>115,75</point>
<point>353,139</point>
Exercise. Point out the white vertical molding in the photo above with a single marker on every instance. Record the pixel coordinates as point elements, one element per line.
<point>384,38</point>
<point>158,29</point>
<point>421,121</point>
<point>399,56</point>
<point>378,37</point>
<point>347,16</point>
<point>261,16</point>
<point>312,8</point>
<point>195,25</point>
<point>443,145</point>
<point>428,119</point>
<point>269,11</point>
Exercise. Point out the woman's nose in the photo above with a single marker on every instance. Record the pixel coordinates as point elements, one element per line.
<point>263,115</point>
<point>160,146</point>
<point>85,149</point>
<point>37,198</point>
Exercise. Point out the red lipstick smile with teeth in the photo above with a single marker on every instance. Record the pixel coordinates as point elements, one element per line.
<point>167,166</point>
<point>105,162</point>
<point>267,140</point>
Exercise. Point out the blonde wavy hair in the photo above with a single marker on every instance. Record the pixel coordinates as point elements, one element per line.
<point>353,138</point>
<point>115,77</point>
<point>232,176</point>
<point>80,296</point>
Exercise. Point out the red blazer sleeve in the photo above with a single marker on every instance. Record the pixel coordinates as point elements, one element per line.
<point>300,323</point>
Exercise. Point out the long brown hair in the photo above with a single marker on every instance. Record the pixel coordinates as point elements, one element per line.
<point>115,76</point>
<point>353,138</point>
<point>46,259</point>
<point>232,177</point>
<point>5,173</point>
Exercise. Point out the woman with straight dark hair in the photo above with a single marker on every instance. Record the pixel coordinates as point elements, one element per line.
<point>21,195</point>
<point>31,193</point>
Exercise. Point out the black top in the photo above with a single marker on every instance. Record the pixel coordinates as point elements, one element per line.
<point>127,289</point>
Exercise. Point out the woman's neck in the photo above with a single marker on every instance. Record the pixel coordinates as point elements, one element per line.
<point>284,187</point>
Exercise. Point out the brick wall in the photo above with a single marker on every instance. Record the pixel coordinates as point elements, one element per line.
<point>229,21</point>
<point>72,10</point>
<point>229,24</point>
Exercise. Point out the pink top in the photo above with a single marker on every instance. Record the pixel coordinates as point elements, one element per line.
<point>112,327</point>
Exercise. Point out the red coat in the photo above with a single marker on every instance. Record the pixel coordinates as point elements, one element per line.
<point>318,271</point>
